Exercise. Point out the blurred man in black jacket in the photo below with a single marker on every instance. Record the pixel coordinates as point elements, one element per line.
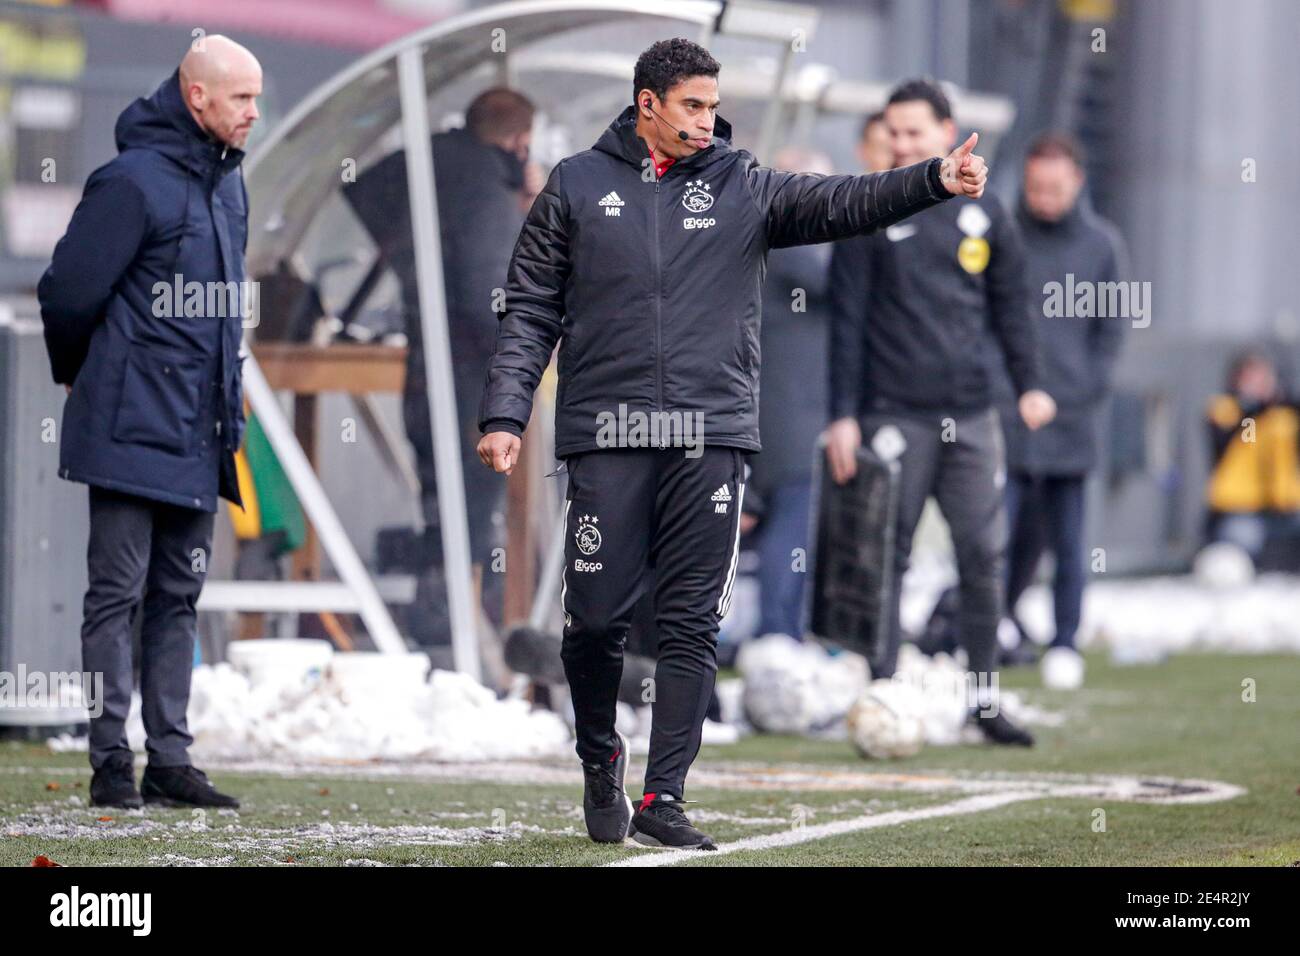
<point>1046,468</point>
<point>479,171</point>
<point>792,408</point>
<point>913,309</point>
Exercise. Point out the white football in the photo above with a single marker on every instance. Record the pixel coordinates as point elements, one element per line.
<point>1062,669</point>
<point>888,720</point>
<point>1222,566</point>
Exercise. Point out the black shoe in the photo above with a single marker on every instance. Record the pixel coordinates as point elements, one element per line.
<point>605,804</point>
<point>113,785</point>
<point>1022,655</point>
<point>660,822</point>
<point>998,730</point>
<point>185,786</point>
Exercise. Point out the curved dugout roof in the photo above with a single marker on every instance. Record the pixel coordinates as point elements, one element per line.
<point>291,174</point>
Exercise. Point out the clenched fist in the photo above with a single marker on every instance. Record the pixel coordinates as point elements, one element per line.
<point>499,451</point>
<point>963,173</point>
<point>1037,408</point>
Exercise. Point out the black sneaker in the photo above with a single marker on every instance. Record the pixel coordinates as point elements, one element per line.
<point>1022,655</point>
<point>113,785</point>
<point>659,821</point>
<point>185,786</point>
<point>998,730</point>
<point>605,804</point>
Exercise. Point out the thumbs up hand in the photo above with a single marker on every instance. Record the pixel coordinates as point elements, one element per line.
<point>962,172</point>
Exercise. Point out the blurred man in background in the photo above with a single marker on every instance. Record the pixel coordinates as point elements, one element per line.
<point>155,408</point>
<point>792,407</point>
<point>482,182</point>
<point>1047,467</point>
<point>912,308</point>
<point>875,147</point>
<point>1254,487</point>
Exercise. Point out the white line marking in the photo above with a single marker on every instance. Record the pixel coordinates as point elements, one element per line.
<point>793,837</point>
<point>739,776</point>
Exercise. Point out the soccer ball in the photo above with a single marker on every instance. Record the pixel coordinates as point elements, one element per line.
<point>1223,566</point>
<point>1062,669</point>
<point>888,720</point>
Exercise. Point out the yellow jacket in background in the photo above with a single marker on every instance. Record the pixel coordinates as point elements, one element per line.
<point>1256,475</point>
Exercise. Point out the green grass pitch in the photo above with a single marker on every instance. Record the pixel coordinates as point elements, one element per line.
<point>1184,719</point>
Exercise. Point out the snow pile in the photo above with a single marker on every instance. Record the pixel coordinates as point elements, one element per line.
<point>948,692</point>
<point>943,687</point>
<point>358,706</point>
<point>794,687</point>
<point>799,688</point>
<point>1221,607</point>
<point>634,723</point>
<point>1146,620</point>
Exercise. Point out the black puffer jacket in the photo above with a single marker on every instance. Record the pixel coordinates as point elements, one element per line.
<point>925,314</point>
<point>653,286</point>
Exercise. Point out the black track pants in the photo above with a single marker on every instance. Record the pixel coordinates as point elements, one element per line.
<point>627,509</point>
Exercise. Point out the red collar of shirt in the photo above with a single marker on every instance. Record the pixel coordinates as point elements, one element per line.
<point>660,168</point>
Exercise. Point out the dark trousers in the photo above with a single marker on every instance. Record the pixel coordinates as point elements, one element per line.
<point>485,503</point>
<point>960,461</point>
<point>142,547</point>
<point>627,510</point>
<point>485,491</point>
<point>781,584</point>
<point>1047,512</point>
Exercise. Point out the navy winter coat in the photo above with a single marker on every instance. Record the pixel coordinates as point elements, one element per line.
<point>156,408</point>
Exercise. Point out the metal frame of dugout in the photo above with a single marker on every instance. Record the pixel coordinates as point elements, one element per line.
<point>292,173</point>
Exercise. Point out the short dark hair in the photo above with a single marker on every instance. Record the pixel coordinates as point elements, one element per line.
<point>663,65</point>
<point>499,112</point>
<point>923,88</point>
<point>1056,144</point>
<point>877,117</point>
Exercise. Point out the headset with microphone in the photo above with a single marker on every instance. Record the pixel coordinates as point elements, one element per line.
<point>681,133</point>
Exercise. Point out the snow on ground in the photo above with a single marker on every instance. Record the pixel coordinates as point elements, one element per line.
<point>356,707</point>
<point>1222,607</point>
<point>297,700</point>
<point>1147,620</point>
<point>793,687</point>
